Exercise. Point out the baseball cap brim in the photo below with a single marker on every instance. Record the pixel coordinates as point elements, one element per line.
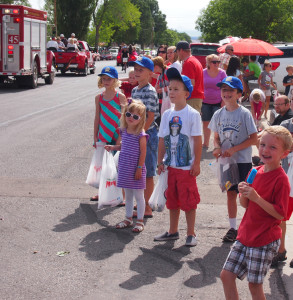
<point>132,63</point>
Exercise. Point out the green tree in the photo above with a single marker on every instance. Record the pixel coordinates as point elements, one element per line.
<point>152,21</point>
<point>269,20</point>
<point>74,16</point>
<point>114,17</point>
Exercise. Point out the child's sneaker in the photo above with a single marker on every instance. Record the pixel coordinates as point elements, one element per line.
<point>230,236</point>
<point>191,241</point>
<point>167,236</point>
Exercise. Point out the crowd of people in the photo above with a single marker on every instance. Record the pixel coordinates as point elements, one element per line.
<point>60,43</point>
<point>157,126</point>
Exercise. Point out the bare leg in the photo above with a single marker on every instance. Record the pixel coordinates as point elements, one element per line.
<point>174,220</point>
<point>190,220</point>
<point>229,284</point>
<point>232,204</point>
<point>147,194</point>
<point>206,133</point>
<point>267,105</point>
<point>256,290</point>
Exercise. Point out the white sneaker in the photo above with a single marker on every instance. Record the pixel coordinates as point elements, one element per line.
<point>191,241</point>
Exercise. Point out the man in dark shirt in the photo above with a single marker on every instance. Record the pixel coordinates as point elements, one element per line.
<point>282,107</point>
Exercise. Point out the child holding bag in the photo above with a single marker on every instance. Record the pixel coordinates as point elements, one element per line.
<point>131,167</point>
<point>108,109</point>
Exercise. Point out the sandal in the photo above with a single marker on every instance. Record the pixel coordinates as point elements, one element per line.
<point>126,223</point>
<point>139,227</point>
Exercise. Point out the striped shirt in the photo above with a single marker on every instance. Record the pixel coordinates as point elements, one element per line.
<point>110,112</point>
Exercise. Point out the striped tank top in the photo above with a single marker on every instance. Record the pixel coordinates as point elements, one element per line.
<point>110,112</point>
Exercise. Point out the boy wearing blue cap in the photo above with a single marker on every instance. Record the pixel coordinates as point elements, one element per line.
<point>234,134</point>
<point>143,70</point>
<point>180,147</point>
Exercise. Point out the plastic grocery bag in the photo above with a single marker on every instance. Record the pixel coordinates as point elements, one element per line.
<point>166,103</point>
<point>109,193</point>
<point>228,173</point>
<point>290,172</point>
<point>94,174</point>
<point>158,200</point>
<point>116,158</point>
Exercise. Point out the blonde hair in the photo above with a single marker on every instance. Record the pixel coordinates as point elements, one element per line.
<point>209,58</point>
<point>289,67</point>
<point>135,106</point>
<point>173,48</point>
<point>159,61</point>
<point>130,70</point>
<point>116,84</point>
<point>266,63</point>
<point>281,133</point>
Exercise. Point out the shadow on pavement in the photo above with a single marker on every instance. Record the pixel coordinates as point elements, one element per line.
<point>208,267</point>
<point>161,261</point>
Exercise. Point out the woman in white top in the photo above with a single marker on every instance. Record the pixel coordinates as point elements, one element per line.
<point>172,57</point>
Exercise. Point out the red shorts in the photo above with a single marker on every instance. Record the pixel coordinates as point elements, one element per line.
<point>182,190</point>
<point>290,209</point>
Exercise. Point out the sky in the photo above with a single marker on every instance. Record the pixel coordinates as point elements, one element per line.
<point>180,15</point>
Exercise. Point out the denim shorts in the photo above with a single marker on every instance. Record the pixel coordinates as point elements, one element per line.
<point>208,110</point>
<point>151,159</point>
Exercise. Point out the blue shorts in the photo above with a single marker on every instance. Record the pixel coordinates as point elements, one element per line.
<point>151,159</point>
<point>208,110</point>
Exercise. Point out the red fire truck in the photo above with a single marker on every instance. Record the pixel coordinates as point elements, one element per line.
<point>23,53</point>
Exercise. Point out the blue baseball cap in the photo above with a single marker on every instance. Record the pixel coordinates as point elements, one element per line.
<point>109,71</point>
<point>231,81</point>
<point>144,62</point>
<point>173,73</point>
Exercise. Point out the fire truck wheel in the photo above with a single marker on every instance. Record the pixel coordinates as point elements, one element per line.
<point>86,69</point>
<point>33,79</point>
<point>50,79</point>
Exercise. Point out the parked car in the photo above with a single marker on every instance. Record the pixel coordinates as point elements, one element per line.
<point>279,64</point>
<point>202,50</point>
<point>114,52</point>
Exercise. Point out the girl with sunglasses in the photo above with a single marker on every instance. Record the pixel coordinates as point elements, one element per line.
<point>131,165</point>
<point>265,81</point>
<point>108,109</point>
<point>162,51</point>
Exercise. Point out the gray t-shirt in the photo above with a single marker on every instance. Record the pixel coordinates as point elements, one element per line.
<point>289,125</point>
<point>234,127</point>
<point>266,78</point>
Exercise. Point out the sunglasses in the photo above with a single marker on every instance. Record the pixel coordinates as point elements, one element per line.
<point>215,62</point>
<point>162,52</point>
<point>134,117</point>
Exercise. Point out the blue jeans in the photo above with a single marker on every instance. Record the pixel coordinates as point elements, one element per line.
<point>152,152</point>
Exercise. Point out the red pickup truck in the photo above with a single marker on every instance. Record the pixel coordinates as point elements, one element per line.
<point>75,60</point>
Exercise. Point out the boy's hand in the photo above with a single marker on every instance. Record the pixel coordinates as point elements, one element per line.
<point>195,170</point>
<point>161,168</point>
<point>217,152</point>
<point>138,173</point>
<point>228,152</point>
<point>109,147</point>
<point>248,192</point>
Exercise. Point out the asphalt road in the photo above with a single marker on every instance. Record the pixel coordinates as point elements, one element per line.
<point>46,138</point>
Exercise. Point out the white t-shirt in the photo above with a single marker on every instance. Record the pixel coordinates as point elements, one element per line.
<point>177,65</point>
<point>177,129</point>
<point>53,44</point>
<point>262,95</point>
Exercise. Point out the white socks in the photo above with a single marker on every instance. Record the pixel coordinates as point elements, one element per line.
<point>233,223</point>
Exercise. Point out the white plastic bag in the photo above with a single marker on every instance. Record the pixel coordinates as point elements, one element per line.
<point>166,103</point>
<point>158,200</point>
<point>94,174</point>
<point>109,193</point>
<point>228,173</point>
<point>290,172</point>
<point>116,158</point>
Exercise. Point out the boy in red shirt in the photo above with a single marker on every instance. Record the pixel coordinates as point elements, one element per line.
<point>266,202</point>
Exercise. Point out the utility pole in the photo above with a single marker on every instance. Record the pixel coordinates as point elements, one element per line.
<point>55,17</point>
